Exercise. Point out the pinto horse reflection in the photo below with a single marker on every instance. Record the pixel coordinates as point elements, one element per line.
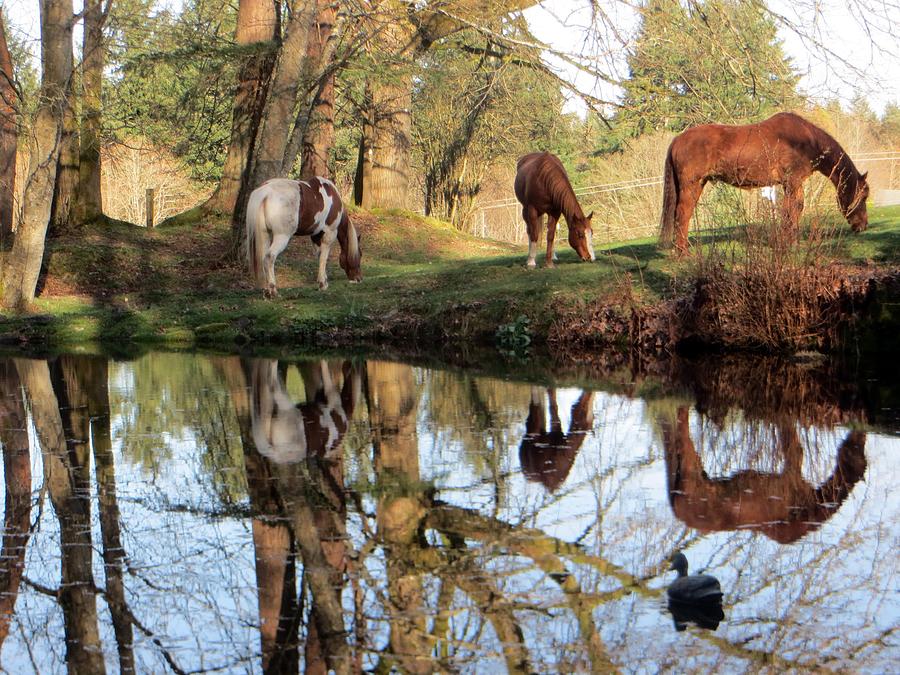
<point>783,506</point>
<point>296,478</point>
<point>547,455</point>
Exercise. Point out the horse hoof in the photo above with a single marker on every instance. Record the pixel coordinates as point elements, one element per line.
<point>323,286</point>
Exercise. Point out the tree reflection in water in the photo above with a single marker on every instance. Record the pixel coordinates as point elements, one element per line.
<point>317,516</point>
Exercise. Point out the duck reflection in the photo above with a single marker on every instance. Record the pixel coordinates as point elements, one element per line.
<point>294,469</point>
<point>783,506</point>
<point>546,455</point>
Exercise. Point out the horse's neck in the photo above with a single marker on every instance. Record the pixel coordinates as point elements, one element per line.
<point>833,162</point>
<point>569,205</point>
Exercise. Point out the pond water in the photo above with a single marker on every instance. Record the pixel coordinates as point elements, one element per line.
<point>189,513</point>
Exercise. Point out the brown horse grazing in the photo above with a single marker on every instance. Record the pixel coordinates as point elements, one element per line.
<point>546,456</point>
<point>542,186</point>
<point>783,506</point>
<point>782,150</point>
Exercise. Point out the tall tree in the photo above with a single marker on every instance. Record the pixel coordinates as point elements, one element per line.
<point>24,263</point>
<point>704,61</point>
<point>257,29</point>
<point>89,203</point>
<point>8,104</point>
<point>318,134</point>
<point>400,35</point>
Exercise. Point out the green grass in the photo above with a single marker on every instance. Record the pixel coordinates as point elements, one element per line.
<point>424,283</point>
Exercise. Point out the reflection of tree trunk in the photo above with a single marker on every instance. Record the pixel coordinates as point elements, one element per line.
<point>392,399</point>
<point>8,135</point>
<point>276,576</point>
<point>64,451</point>
<point>17,474</point>
<point>92,389</point>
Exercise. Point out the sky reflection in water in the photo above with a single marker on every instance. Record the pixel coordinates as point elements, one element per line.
<point>232,514</point>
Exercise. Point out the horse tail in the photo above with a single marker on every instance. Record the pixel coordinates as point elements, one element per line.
<point>349,240</point>
<point>670,201</point>
<point>256,235</point>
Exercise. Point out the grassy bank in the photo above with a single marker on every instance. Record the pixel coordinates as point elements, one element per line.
<point>425,284</point>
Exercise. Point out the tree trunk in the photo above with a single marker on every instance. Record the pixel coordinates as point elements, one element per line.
<point>8,135</point>
<point>20,275</point>
<point>88,197</point>
<point>318,136</point>
<point>277,111</point>
<point>257,26</point>
<point>385,152</point>
<point>67,168</point>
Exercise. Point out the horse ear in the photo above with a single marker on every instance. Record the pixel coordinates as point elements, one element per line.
<point>590,215</point>
<point>863,177</point>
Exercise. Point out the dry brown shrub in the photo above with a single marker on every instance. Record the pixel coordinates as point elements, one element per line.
<point>768,289</point>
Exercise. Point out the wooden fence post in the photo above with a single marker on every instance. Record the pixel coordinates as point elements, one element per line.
<point>150,210</point>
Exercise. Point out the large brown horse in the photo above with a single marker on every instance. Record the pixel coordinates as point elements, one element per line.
<point>782,150</point>
<point>542,186</point>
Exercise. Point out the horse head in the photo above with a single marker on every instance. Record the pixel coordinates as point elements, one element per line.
<point>581,237</point>
<point>852,200</point>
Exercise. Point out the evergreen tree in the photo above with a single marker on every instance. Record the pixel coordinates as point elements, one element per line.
<point>706,61</point>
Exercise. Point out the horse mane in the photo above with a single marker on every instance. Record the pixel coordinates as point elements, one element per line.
<point>833,161</point>
<point>553,176</point>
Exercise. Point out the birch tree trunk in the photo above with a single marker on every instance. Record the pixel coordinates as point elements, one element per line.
<point>20,274</point>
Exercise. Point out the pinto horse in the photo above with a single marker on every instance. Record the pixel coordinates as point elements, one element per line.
<point>281,207</point>
<point>542,186</point>
<point>782,150</point>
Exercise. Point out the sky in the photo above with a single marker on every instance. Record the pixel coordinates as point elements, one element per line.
<point>865,33</point>
<point>868,42</point>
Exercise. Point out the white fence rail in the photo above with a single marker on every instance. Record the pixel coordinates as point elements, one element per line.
<point>501,218</point>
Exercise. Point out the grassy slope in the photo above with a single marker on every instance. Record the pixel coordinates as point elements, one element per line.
<point>423,281</point>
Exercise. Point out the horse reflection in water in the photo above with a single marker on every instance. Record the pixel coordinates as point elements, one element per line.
<point>295,479</point>
<point>547,455</point>
<point>783,506</point>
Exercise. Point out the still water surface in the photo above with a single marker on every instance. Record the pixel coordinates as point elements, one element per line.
<point>185,513</point>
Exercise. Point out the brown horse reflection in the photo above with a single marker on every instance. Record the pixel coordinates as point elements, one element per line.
<point>783,506</point>
<point>547,455</point>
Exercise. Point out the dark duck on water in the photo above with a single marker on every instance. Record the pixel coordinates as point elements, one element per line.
<point>694,598</point>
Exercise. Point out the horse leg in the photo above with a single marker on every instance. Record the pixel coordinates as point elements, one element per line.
<point>688,194</point>
<point>533,226</point>
<point>279,243</point>
<point>551,234</point>
<point>792,207</point>
<point>328,237</point>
